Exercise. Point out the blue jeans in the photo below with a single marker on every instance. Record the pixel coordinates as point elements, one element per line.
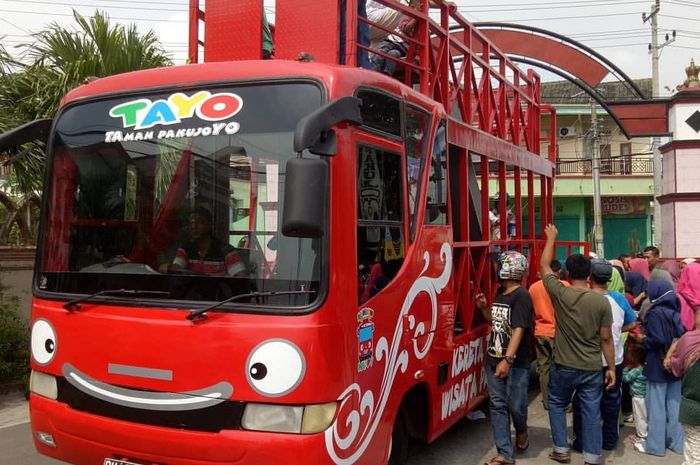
<point>665,432</point>
<point>586,389</point>
<point>363,36</point>
<point>610,403</point>
<point>508,398</point>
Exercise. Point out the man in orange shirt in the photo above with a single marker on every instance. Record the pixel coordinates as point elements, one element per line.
<point>544,328</point>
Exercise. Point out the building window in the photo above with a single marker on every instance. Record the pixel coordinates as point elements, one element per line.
<point>605,161</point>
<point>626,158</point>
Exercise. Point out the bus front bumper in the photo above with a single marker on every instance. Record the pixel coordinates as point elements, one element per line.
<point>83,438</point>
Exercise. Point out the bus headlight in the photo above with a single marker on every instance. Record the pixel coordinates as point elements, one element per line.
<point>43,384</point>
<point>272,417</point>
<point>318,417</point>
<point>309,419</point>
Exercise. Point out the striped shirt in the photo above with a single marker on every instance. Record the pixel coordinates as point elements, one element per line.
<point>220,259</point>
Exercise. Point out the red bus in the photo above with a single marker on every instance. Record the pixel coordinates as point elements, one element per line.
<point>248,261</point>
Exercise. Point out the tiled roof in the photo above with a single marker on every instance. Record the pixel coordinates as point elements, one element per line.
<point>563,92</point>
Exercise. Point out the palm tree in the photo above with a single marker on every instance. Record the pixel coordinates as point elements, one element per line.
<point>59,60</point>
<point>95,48</point>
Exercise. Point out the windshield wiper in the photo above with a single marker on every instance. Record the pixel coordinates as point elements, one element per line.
<point>200,312</point>
<point>75,303</point>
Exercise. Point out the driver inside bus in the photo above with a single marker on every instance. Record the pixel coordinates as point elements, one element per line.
<point>203,253</point>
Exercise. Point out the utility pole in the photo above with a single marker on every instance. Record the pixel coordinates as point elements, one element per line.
<point>595,162</point>
<point>654,51</point>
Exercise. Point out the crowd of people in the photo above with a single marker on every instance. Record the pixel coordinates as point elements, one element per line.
<point>616,341</point>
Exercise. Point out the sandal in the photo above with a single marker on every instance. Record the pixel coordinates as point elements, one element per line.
<point>561,457</point>
<point>522,441</point>
<point>500,460</point>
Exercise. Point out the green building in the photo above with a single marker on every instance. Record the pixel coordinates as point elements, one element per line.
<point>626,167</point>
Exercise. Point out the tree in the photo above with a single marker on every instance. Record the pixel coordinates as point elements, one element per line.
<point>59,60</point>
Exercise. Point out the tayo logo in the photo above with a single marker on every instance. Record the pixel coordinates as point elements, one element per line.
<point>145,113</point>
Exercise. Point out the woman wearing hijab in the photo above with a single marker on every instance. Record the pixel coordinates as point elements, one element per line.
<point>640,265</point>
<point>685,362</point>
<point>673,269</point>
<point>661,326</point>
<point>689,293</point>
<point>636,284</point>
<point>686,261</point>
<point>616,283</point>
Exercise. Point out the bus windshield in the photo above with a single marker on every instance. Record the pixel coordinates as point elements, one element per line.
<point>181,192</point>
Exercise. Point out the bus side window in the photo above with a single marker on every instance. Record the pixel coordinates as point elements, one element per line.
<point>436,208</point>
<point>380,238</point>
<point>417,126</point>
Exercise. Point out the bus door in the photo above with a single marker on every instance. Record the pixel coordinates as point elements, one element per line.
<point>466,380</point>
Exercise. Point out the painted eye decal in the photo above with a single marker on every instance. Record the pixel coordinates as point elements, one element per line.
<point>43,342</point>
<point>275,367</point>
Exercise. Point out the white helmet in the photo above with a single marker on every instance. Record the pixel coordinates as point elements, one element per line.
<point>512,265</point>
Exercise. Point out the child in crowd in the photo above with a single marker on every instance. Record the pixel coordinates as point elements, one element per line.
<point>634,376</point>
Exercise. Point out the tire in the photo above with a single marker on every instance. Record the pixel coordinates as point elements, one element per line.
<point>399,440</point>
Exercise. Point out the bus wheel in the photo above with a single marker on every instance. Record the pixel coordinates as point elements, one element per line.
<point>399,440</point>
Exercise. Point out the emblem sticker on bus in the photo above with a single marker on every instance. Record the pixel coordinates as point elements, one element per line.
<point>138,116</point>
<point>365,339</point>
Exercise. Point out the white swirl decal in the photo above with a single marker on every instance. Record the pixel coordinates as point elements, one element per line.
<point>360,425</point>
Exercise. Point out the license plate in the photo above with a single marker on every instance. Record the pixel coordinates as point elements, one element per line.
<point>109,461</point>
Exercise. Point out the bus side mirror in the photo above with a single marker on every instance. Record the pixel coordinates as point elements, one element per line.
<point>34,130</point>
<point>313,131</point>
<point>305,193</point>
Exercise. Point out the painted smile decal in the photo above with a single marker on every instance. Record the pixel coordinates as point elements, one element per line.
<point>178,401</point>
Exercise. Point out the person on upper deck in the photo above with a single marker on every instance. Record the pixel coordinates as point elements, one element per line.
<point>389,43</point>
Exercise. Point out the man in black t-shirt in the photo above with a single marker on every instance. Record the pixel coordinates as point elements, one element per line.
<point>508,364</point>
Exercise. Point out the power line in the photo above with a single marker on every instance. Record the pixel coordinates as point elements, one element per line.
<point>111,17</point>
<point>630,36</point>
<point>24,2</point>
<point>547,6</point>
<point>687,48</point>
<point>680,17</point>
<point>598,33</point>
<point>141,2</point>
<point>569,2</point>
<point>621,45</point>
<point>13,25</point>
<point>688,4</point>
<point>556,18</point>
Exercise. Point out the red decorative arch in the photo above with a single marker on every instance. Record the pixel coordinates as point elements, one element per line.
<point>582,66</point>
<point>547,50</point>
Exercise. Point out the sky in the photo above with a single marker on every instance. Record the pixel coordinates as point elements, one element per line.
<point>613,28</point>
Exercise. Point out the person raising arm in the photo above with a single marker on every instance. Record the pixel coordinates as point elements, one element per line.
<point>583,331</point>
<point>605,332</point>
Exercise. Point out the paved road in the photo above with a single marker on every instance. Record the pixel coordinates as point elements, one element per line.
<point>471,443</point>
<point>468,443</point>
<point>17,448</point>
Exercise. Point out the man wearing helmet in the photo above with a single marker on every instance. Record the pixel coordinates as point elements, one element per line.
<point>508,366</point>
